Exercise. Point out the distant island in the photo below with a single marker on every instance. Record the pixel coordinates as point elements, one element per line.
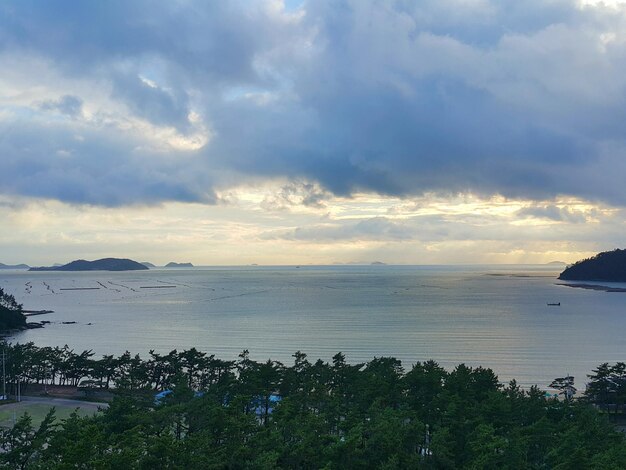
<point>179,265</point>
<point>359,263</point>
<point>13,266</point>
<point>147,264</point>
<point>606,266</point>
<point>105,264</point>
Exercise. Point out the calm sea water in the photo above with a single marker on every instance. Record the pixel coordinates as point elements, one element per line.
<point>495,316</point>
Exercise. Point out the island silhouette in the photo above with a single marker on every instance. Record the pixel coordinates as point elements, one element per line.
<point>178,265</point>
<point>104,264</point>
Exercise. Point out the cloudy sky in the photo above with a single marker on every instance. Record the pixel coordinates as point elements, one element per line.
<point>290,132</point>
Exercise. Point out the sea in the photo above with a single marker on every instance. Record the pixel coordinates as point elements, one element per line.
<point>494,316</point>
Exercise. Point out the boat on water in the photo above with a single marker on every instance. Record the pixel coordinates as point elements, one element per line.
<point>557,304</point>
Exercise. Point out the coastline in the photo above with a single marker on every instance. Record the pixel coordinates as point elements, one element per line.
<point>597,287</point>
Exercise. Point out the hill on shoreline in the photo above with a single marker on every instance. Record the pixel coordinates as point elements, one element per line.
<point>105,264</point>
<point>606,266</point>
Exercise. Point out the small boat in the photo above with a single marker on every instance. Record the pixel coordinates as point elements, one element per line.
<point>558,304</point>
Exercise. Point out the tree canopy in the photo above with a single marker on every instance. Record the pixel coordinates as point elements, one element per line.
<point>331,415</point>
<point>11,316</point>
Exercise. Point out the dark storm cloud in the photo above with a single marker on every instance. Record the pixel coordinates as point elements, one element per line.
<point>95,169</point>
<point>150,102</point>
<point>397,97</point>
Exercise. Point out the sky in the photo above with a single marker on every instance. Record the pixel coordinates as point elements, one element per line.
<point>326,131</point>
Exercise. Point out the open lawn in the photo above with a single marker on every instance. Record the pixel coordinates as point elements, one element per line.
<point>38,410</point>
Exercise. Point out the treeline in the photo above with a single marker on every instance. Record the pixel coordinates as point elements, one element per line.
<point>11,316</point>
<point>29,364</point>
<point>223,414</point>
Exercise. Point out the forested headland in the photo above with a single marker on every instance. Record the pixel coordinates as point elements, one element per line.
<point>605,266</point>
<point>308,415</point>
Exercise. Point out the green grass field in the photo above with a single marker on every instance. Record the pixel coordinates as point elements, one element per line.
<point>37,411</point>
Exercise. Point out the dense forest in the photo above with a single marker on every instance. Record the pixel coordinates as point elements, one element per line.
<point>246,414</point>
<point>605,266</point>
<point>11,316</point>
